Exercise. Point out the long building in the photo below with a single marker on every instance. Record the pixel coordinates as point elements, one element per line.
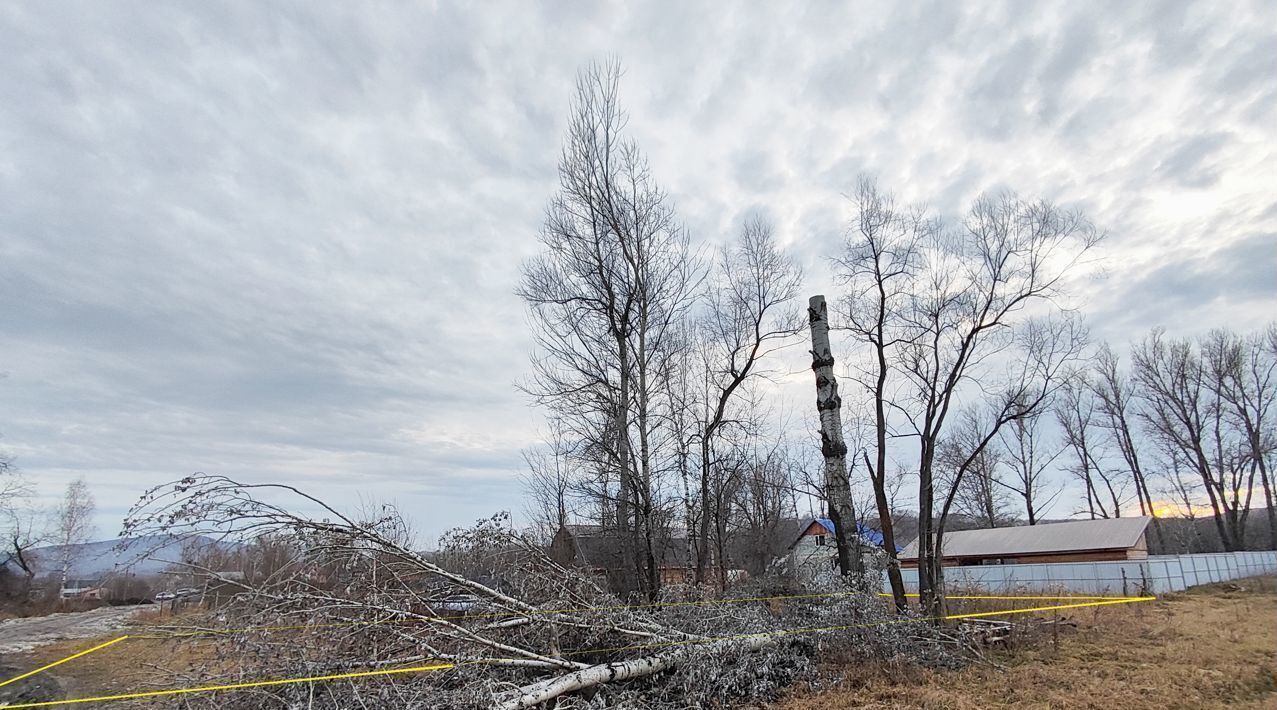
<point>1074,541</point>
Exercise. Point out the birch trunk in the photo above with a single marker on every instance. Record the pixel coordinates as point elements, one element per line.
<point>537,693</point>
<point>832,446</point>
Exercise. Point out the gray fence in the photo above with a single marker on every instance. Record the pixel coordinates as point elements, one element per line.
<point>1156,575</point>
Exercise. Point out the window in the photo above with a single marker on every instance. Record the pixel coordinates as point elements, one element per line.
<point>999,561</point>
<point>820,540</point>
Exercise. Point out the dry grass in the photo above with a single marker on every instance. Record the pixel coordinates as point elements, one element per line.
<point>1215,646</point>
<point>132,665</point>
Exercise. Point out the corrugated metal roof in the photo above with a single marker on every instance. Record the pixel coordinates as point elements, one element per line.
<point>1073,536</point>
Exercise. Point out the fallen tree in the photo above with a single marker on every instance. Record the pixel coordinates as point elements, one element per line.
<point>311,594</point>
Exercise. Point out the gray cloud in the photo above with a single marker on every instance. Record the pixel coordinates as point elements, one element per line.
<point>1227,285</point>
<point>1189,162</point>
<point>281,244</point>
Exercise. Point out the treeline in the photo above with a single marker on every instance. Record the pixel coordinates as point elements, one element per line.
<point>966,373</point>
<point>1184,430</point>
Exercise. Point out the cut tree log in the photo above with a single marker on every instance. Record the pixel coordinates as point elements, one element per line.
<point>551,688</point>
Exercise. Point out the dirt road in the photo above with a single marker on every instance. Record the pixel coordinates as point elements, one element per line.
<point>23,635</point>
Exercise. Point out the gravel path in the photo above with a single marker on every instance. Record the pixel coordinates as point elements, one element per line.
<point>22,635</point>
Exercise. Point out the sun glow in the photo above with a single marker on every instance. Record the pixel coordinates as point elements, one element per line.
<point>1176,509</point>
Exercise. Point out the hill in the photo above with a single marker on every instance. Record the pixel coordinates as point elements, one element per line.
<point>148,555</point>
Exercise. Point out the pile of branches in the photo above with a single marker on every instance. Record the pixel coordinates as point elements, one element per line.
<point>335,593</point>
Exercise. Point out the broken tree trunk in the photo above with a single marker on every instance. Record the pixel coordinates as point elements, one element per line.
<point>542,691</point>
<point>832,446</point>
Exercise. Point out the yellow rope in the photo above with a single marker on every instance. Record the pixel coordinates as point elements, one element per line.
<point>72,657</point>
<point>229,686</point>
<point>446,666</point>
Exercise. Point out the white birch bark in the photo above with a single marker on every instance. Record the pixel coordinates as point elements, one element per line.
<point>832,445</point>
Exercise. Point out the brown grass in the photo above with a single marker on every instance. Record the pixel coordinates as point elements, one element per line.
<point>1212,647</point>
<point>132,665</point>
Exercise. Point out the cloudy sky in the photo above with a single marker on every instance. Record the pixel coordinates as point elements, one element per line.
<point>279,242</point>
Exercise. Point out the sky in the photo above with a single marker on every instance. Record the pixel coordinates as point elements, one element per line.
<point>279,241</point>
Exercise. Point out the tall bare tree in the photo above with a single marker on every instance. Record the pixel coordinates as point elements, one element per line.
<point>936,305</point>
<point>1115,395</point>
<point>1243,377</point>
<point>1075,412</point>
<point>607,295</point>
<point>1044,354</point>
<point>745,319</point>
<point>967,305</point>
<point>1192,424</point>
<point>878,265</point>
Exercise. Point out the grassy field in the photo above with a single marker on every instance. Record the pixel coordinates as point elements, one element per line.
<point>1212,647</point>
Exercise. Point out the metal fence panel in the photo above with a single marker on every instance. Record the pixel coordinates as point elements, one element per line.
<point>1158,574</point>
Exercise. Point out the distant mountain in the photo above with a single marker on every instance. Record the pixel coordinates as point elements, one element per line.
<point>146,555</point>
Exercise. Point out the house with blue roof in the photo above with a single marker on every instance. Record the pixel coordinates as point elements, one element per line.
<point>813,550</point>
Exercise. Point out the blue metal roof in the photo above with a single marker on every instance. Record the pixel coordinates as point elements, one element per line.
<point>866,533</point>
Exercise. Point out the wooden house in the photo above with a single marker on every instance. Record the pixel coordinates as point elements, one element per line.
<point>599,550</point>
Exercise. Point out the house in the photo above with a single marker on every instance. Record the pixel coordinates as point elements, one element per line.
<point>595,548</point>
<point>1073,541</point>
<point>812,547</point>
<point>83,589</point>
<point>820,532</point>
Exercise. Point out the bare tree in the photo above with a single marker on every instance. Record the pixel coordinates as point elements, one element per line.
<point>1030,456</point>
<point>937,305</point>
<point>979,493</point>
<point>13,489</point>
<point>1243,378</point>
<point>765,499</point>
<point>1115,395</point>
<point>73,523</point>
<point>1192,424</point>
<point>879,263</point>
<point>745,320</point>
<point>1075,412</point>
<point>548,481</point>
<point>22,525</point>
<point>26,531</point>
<point>687,394</point>
<point>607,296</point>
<point>1007,255</point>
